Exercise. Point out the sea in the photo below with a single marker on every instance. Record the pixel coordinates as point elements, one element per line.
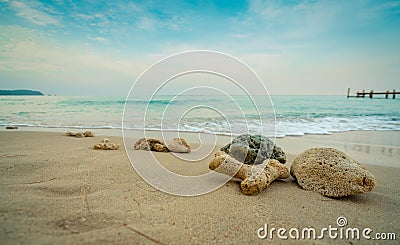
<point>280,115</point>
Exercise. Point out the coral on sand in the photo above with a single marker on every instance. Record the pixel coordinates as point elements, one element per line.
<point>76,135</point>
<point>254,149</point>
<point>149,144</point>
<point>255,178</point>
<point>179,145</point>
<point>106,146</point>
<point>80,134</point>
<point>331,173</point>
<point>88,134</point>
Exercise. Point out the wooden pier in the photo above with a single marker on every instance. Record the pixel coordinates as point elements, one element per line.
<point>371,94</point>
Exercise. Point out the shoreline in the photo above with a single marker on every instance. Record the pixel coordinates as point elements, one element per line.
<point>380,148</point>
<point>114,131</point>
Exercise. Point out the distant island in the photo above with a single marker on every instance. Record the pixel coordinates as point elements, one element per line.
<point>20,92</point>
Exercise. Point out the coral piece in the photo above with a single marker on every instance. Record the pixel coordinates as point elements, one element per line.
<point>255,177</point>
<point>150,144</point>
<point>80,134</point>
<point>331,173</point>
<point>254,149</point>
<point>179,145</point>
<point>88,134</point>
<point>76,135</point>
<point>70,134</point>
<point>106,146</point>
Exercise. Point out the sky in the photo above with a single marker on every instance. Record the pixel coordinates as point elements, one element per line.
<point>296,47</point>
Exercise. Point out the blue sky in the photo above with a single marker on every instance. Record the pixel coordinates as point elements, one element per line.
<point>297,47</point>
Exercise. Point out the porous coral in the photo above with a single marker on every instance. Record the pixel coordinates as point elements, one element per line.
<point>255,178</point>
<point>179,145</point>
<point>149,144</point>
<point>331,173</point>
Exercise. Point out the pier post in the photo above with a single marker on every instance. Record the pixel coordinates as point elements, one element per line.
<point>370,94</point>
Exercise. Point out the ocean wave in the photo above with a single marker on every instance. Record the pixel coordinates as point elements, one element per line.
<point>295,116</point>
<point>282,127</point>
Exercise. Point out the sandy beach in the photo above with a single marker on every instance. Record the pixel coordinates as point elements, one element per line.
<point>303,74</point>
<point>57,189</point>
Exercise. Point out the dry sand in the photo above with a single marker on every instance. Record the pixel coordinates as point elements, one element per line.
<point>58,190</point>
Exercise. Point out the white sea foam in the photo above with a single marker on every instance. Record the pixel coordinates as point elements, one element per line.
<point>295,115</point>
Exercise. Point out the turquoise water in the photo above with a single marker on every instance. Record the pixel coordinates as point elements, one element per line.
<point>295,115</point>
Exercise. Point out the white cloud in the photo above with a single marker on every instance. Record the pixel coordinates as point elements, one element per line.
<point>83,16</point>
<point>146,23</point>
<point>30,13</point>
<point>151,22</point>
<point>27,51</point>
<point>303,19</point>
<point>100,39</point>
<point>129,7</point>
<point>35,61</point>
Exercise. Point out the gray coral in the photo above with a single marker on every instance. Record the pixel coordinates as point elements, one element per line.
<point>254,149</point>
